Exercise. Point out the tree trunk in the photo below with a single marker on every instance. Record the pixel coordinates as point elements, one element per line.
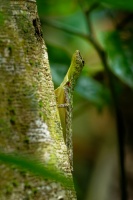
<point>29,121</point>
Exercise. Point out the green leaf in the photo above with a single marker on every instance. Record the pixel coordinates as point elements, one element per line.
<point>56,8</point>
<point>119,4</point>
<point>119,61</point>
<point>93,91</point>
<point>35,167</point>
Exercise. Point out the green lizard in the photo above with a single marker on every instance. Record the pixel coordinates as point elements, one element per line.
<point>64,97</point>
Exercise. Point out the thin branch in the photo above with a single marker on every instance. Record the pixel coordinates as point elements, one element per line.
<point>88,15</point>
<point>119,119</point>
<point>120,130</point>
<point>69,30</point>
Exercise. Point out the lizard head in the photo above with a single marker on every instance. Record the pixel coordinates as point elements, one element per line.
<point>75,69</point>
<point>76,66</point>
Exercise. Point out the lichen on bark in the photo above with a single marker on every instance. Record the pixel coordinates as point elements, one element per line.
<point>29,121</point>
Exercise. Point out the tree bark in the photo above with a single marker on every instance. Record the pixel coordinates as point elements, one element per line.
<point>29,120</point>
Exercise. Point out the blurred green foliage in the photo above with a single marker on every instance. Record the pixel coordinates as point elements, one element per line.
<point>119,4</point>
<point>102,30</point>
<point>119,58</point>
<point>35,167</point>
<point>70,25</point>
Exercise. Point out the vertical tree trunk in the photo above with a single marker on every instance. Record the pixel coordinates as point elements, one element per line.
<point>29,121</point>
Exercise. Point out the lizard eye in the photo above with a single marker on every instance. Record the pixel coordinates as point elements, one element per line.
<point>83,62</point>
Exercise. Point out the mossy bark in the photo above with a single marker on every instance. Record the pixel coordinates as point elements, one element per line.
<point>29,120</point>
